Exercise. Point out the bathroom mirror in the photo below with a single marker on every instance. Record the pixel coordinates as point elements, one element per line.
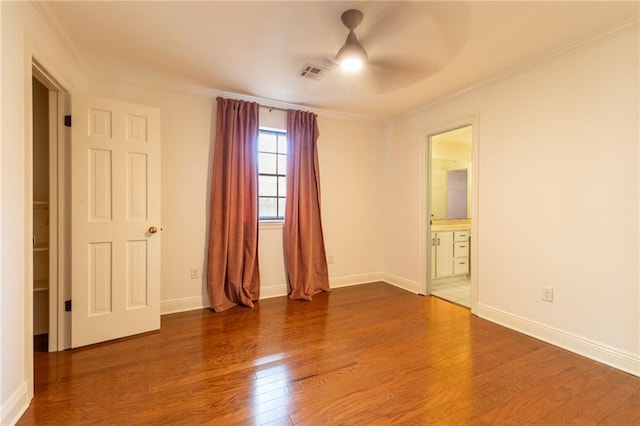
<point>451,174</point>
<point>457,206</point>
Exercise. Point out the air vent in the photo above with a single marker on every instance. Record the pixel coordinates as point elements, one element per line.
<point>313,72</point>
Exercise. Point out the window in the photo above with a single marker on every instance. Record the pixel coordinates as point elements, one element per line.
<point>272,180</point>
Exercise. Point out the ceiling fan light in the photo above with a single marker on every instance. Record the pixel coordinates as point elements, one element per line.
<point>351,64</point>
<point>352,55</point>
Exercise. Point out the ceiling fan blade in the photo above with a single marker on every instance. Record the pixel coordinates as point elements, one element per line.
<point>386,22</point>
<point>385,77</point>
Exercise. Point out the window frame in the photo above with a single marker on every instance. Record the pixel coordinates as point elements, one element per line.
<point>277,175</point>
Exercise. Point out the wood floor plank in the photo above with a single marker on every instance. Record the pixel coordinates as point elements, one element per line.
<point>369,354</point>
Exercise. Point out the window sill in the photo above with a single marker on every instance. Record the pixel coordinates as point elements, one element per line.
<point>271,224</point>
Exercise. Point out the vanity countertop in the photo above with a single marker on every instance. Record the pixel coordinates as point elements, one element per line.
<point>439,225</point>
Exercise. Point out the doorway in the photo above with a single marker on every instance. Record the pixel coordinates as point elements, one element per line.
<point>46,264</point>
<point>450,171</point>
<point>49,267</point>
<point>42,226</point>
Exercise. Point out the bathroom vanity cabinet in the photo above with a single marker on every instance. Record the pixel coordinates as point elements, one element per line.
<point>449,253</point>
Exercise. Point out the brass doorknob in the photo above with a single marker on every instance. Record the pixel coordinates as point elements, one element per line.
<point>153,229</point>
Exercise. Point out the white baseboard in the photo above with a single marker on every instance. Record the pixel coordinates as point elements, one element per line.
<point>337,282</point>
<point>267,292</point>
<point>400,282</point>
<point>14,407</point>
<point>182,305</point>
<point>613,357</point>
<point>350,280</point>
<point>201,302</point>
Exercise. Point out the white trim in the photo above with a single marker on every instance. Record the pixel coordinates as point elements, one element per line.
<point>57,231</point>
<point>608,355</point>
<point>619,29</point>
<point>27,73</point>
<point>424,184</point>
<point>474,247</point>
<point>322,113</point>
<point>43,76</point>
<point>49,16</point>
<point>267,292</point>
<point>53,22</point>
<point>270,225</point>
<point>64,222</point>
<point>15,406</point>
<point>402,283</point>
<point>350,280</point>
<point>184,304</point>
<point>54,226</point>
<point>3,142</point>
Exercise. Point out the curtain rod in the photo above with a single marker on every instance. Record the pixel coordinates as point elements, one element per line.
<point>271,108</point>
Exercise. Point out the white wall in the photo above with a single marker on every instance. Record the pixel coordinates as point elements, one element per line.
<point>558,198</point>
<point>186,131</point>
<point>24,34</point>
<point>563,135</point>
<point>351,172</point>
<point>351,160</point>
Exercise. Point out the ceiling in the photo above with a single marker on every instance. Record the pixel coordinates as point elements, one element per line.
<point>418,51</point>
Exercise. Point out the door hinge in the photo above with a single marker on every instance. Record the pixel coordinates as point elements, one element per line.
<point>67,120</point>
<point>67,305</point>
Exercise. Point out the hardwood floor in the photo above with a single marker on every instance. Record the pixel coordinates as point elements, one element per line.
<point>368,354</point>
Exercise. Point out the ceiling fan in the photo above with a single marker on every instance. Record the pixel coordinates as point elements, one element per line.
<point>381,74</point>
<point>351,55</point>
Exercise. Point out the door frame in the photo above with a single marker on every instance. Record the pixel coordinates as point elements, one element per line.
<point>424,203</point>
<point>57,209</point>
<point>37,61</point>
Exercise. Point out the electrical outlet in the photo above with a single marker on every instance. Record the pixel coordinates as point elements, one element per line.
<point>330,260</point>
<point>195,273</point>
<point>547,293</point>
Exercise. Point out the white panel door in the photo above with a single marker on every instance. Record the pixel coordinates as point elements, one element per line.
<point>115,208</point>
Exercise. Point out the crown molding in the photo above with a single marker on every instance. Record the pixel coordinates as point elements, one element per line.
<point>179,87</point>
<point>324,113</point>
<point>46,11</point>
<point>49,16</point>
<point>613,31</point>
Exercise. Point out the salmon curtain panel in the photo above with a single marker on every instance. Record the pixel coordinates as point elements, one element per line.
<point>233,277</point>
<point>304,252</point>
